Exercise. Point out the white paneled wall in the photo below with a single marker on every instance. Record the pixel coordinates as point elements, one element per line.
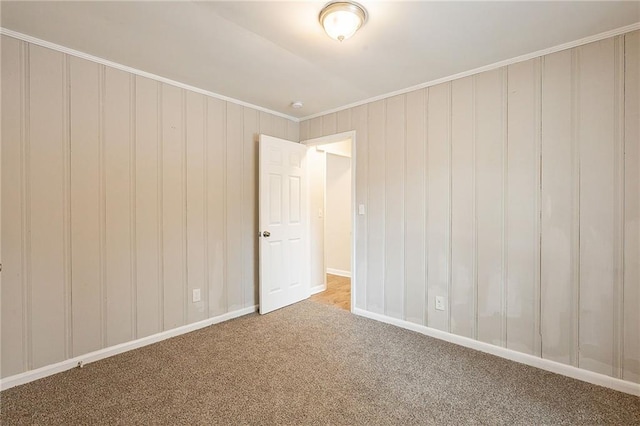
<point>463,296</point>
<point>514,195</point>
<point>415,207</point>
<point>631,277</point>
<point>438,185</point>
<point>522,227</point>
<point>120,195</point>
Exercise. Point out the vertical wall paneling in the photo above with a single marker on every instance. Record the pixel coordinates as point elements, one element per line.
<point>66,202</point>
<point>618,206</point>
<point>631,290</point>
<point>132,205</point>
<point>234,197</point>
<point>315,127</point>
<point>270,123</point>
<point>216,205</point>
<point>148,190</point>
<point>329,124</point>
<point>415,207</point>
<point>596,84</point>
<point>45,149</point>
<point>304,130</point>
<point>490,198</point>
<point>438,214</point>
<point>505,202</point>
<point>280,127</point>
<point>462,295</point>
<point>343,121</point>
<point>293,131</point>
<point>86,205</point>
<point>522,208</point>
<point>173,203</point>
<point>558,280</point>
<point>117,180</point>
<point>575,222</point>
<point>376,208</point>
<point>359,123</point>
<point>266,123</point>
<point>87,191</point>
<point>120,195</point>
<point>196,198</point>
<point>538,188</point>
<point>250,204</point>
<point>14,225</point>
<point>394,216</point>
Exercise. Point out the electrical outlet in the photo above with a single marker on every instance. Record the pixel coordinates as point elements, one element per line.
<point>361,209</point>
<point>439,303</point>
<point>196,295</point>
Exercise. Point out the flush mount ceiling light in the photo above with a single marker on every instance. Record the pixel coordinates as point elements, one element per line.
<point>342,19</point>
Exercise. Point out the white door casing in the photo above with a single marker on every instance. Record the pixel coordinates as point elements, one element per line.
<point>283,251</point>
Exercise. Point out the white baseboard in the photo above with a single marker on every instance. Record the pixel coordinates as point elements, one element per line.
<point>339,272</point>
<point>318,289</point>
<point>534,361</point>
<point>48,370</point>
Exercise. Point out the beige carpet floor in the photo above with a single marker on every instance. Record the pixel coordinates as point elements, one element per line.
<point>311,364</point>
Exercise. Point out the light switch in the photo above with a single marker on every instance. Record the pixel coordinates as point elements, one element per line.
<point>361,209</point>
<point>196,295</point>
<point>319,213</point>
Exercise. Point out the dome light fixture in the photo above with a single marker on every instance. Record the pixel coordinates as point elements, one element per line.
<point>342,19</point>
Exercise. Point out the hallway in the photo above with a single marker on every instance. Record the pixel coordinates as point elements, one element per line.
<point>338,292</point>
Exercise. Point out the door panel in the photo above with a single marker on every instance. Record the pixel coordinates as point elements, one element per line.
<point>283,223</point>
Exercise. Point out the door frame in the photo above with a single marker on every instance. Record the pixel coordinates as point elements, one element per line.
<point>322,140</point>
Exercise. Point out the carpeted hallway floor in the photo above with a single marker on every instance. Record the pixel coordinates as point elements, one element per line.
<point>311,364</point>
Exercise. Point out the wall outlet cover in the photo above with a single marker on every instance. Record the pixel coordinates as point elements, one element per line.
<point>196,295</point>
<point>439,303</point>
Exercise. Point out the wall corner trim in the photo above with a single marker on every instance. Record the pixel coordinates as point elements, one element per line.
<point>533,361</point>
<point>135,71</point>
<point>59,367</point>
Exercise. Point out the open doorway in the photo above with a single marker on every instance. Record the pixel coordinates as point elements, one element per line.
<point>330,175</point>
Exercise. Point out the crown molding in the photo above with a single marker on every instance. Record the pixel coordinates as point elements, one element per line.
<point>521,58</point>
<point>500,64</point>
<point>102,61</point>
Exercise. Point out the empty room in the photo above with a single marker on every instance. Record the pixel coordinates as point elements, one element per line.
<point>301,212</point>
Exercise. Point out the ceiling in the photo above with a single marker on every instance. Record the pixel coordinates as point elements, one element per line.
<point>270,53</point>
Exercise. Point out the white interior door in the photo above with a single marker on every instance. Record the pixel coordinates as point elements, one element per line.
<point>283,223</point>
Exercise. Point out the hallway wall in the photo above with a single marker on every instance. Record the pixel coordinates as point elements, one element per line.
<point>338,214</point>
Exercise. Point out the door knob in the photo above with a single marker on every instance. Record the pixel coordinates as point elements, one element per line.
<point>266,234</point>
